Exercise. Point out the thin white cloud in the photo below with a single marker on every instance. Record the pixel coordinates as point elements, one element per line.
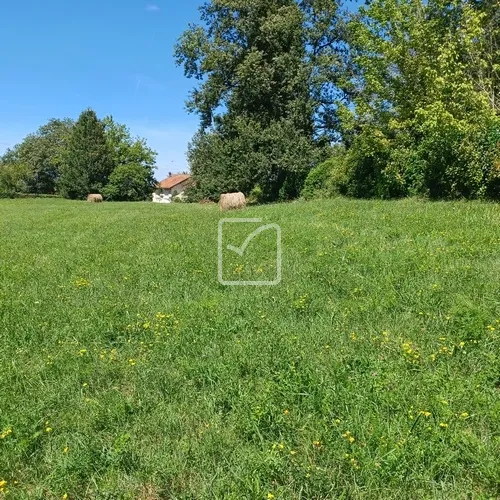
<point>152,7</point>
<point>147,82</point>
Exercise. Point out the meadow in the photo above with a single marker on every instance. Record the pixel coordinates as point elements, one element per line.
<point>371,371</point>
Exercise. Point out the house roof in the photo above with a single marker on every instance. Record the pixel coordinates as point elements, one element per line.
<point>173,181</point>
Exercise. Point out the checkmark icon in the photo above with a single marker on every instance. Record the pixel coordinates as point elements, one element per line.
<point>240,250</point>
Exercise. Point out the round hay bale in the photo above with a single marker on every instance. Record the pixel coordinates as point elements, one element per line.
<point>95,198</point>
<point>232,201</point>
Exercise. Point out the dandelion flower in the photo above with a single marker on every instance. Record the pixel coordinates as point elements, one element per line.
<point>443,425</point>
<point>5,433</point>
<point>48,429</point>
<point>270,496</point>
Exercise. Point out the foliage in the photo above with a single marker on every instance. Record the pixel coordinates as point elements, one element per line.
<point>265,70</point>
<point>88,160</point>
<point>256,196</point>
<point>125,149</point>
<point>323,181</point>
<point>43,153</point>
<point>46,155</point>
<point>129,182</point>
<point>273,157</point>
<point>371,372</point>
<point>426,99</point>
<point>13,179</point>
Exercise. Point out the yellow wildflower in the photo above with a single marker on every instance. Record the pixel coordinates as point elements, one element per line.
<point>270,496</point>
<point>5,433</point>
<point>81,282</point>
<point>443,425</point>
<point>347,435</point>
<point>48,429</point>
<point>425,413</point>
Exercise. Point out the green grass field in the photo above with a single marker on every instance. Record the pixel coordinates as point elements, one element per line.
<point>128,371</point>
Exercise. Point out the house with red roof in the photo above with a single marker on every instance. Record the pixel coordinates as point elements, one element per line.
<point>174,185</point>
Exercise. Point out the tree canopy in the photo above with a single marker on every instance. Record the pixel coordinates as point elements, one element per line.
<point>409,89</point>
<point>257,63</point>
<point>75,159</point>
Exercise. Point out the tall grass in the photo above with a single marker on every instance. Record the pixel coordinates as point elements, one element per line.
<point>128,371</point>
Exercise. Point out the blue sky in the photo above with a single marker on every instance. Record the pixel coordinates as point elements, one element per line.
<point>116,56</point>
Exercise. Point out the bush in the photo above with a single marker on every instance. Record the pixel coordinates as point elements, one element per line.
<point>256,196</point>
<point>13,179</point>
<point>328,178</point>
<point>316,182</point>
<point>130,182</point>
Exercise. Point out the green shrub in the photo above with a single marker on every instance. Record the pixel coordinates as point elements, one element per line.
<point>315,185</point>
<point>326,179</point>
<point>13,179</point>
<point>256,196</point>
<point>132,182</point>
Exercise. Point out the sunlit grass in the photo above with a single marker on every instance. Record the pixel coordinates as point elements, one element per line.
<point>128,371</point>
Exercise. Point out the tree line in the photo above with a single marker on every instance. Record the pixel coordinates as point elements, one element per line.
<point>316,98</point>
<point>74,159</point>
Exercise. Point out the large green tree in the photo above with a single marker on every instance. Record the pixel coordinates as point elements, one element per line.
<point>265,69</point>
<point>126,149</point>
<point>424,117</point>
<point>42,153</point>
<point>88,159</point>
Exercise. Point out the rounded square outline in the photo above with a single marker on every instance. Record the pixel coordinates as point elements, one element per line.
<point>223,282</point>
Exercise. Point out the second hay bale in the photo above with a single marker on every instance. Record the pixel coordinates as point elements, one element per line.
<point>95,198</point>
<point>232,201</point>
